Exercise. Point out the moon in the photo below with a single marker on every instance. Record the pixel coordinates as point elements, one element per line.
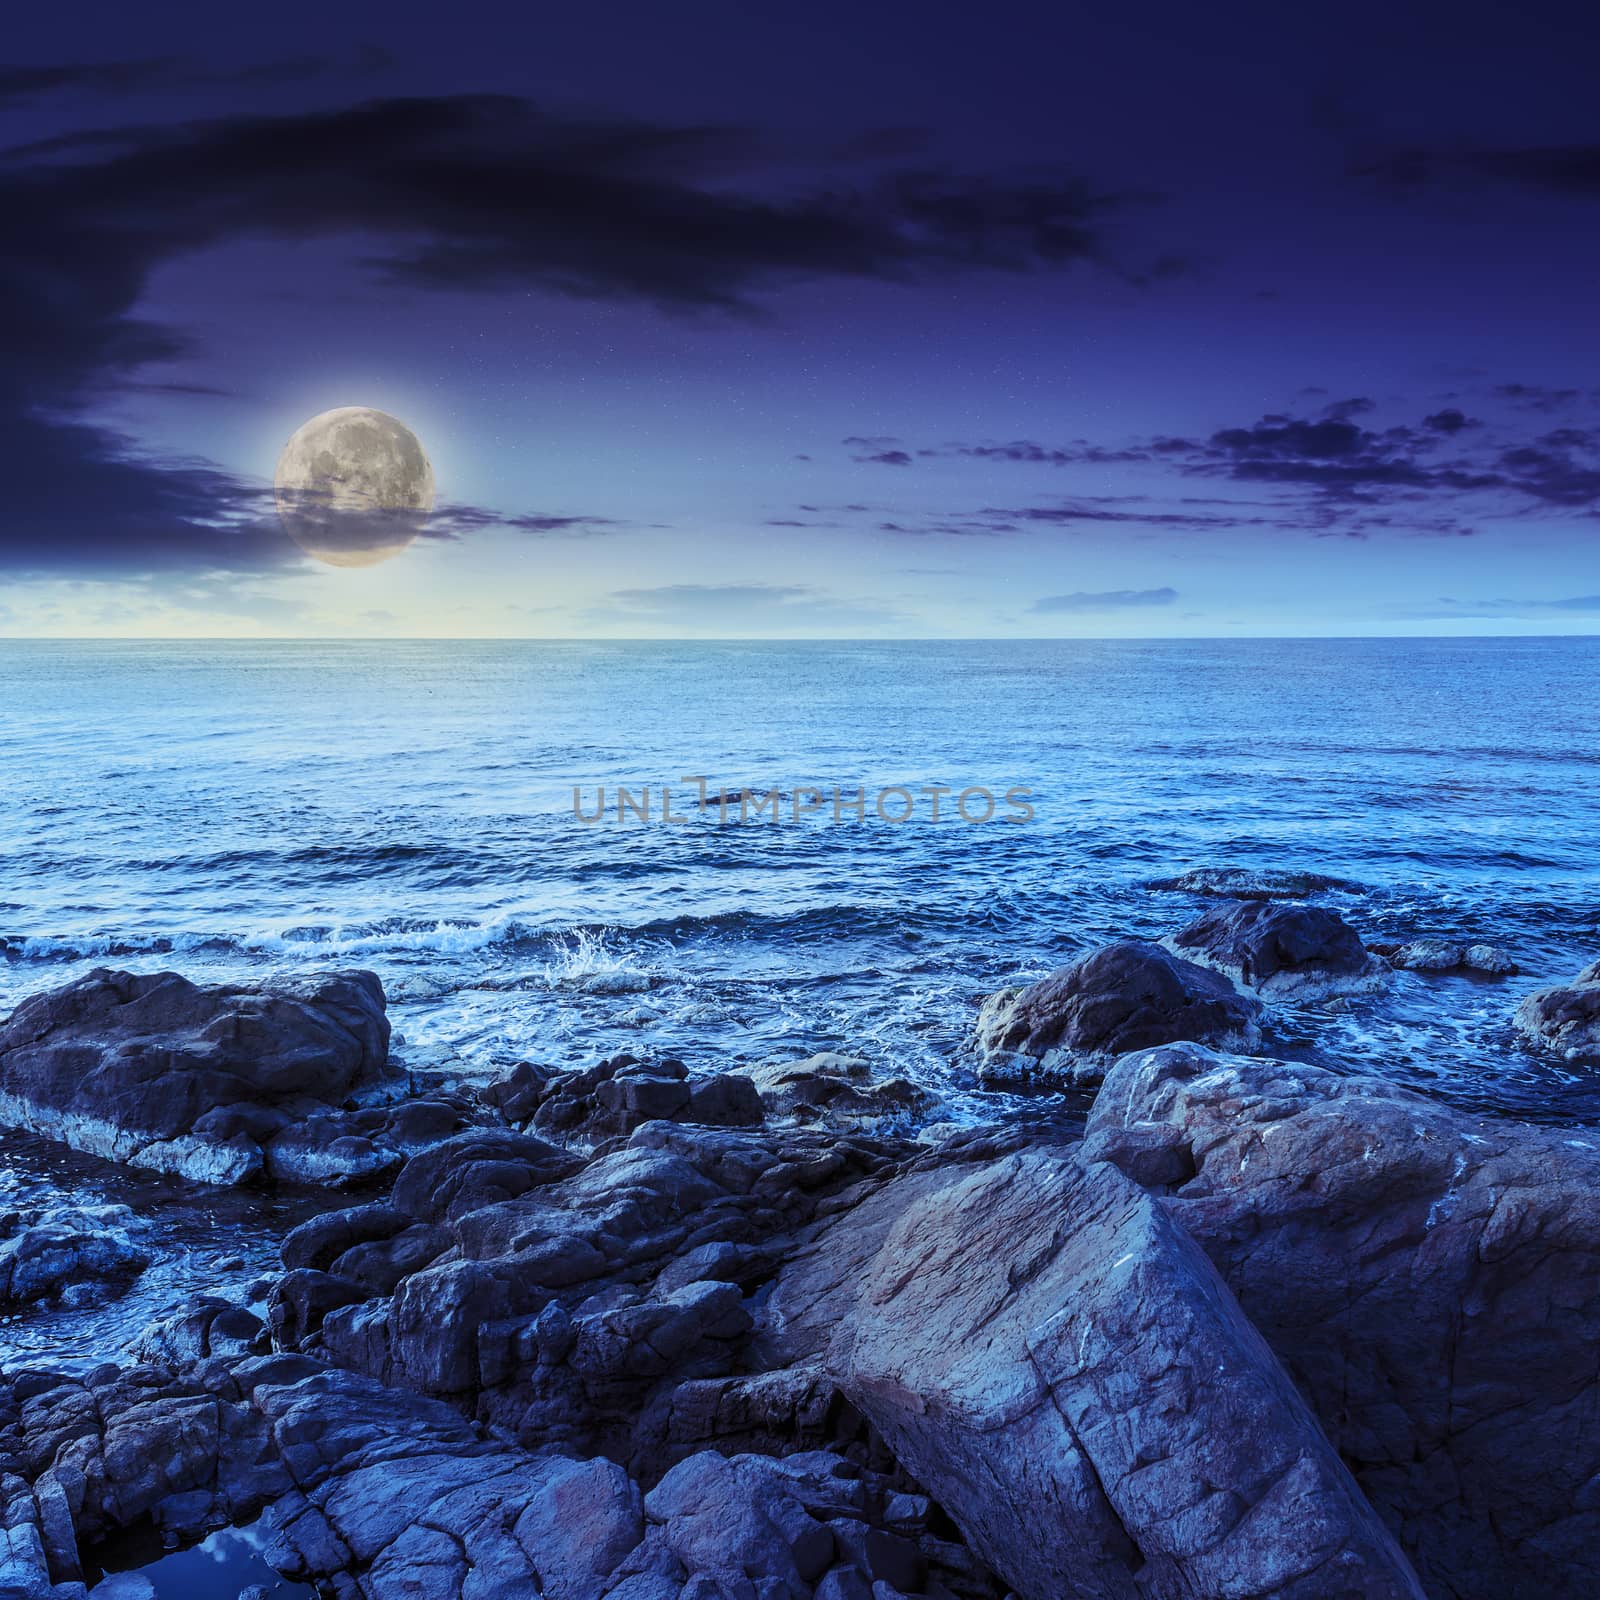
<point>353,487</point>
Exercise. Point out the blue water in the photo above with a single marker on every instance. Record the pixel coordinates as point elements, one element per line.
<point>240,808</point>
<point>234,809</point>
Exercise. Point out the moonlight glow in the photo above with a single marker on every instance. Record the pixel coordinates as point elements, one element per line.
<point>353,486</point>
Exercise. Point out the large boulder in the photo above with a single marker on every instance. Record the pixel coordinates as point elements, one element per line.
<point>1066,1374</point>
<point>1281,950</point>
<point>1431,1279</point>
<point>1068,1027</point>
<point>159,1072</point>
<point>1566,1017</point>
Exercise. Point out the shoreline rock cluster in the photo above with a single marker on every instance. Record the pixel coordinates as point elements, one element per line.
<point>1255,1329</point>
<point>1212,982</point>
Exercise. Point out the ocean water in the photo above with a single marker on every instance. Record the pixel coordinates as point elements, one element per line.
<point>237,809</point>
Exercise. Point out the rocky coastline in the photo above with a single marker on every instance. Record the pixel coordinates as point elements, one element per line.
<point>1245,1327</point>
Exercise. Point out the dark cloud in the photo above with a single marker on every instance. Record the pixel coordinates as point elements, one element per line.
<point>483,191</point>
<point>174,72</point>
<point>1343,410</point>
<point>1537,396</point>
<point>457,521</point>
<point>450,193</point>
<point>1450,421</point>
<point>1106,600</point>
<point>1342,460</point>
<point>1555,169</point>
<point>1115,511</point>
<point>1331,474</point>
<point>1030,452</point>
<point>870,449</point>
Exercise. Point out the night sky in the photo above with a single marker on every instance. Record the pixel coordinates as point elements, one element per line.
<point>869,320</point>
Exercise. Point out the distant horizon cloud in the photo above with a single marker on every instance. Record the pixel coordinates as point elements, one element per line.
<point>1103,600</point>
<point>757,606</point>
<point>1448,607</point>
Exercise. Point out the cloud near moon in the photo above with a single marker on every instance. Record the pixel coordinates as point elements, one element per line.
<point>353,487</point>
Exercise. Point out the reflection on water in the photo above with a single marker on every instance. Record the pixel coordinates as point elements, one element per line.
<point>227,1566</point>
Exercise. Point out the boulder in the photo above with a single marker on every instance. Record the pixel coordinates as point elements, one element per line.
<point>1064,1372</point>
<point>160,1072</point>
<point>1066,1028</point>
<point>1280,950</point>
<point>1430,1278</point>
<point>1566,1017</point>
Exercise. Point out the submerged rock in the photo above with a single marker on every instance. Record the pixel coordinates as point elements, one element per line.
<point>45,1254</point>
<point>1281,950</point>
<point>1066,1028</point>
<point>1566,1017</point>
<point>1255,883</point>
<point>1445,955</point>
<point>1431,1278</point>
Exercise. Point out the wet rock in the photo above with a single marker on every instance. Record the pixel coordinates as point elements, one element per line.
<point>210,1327</point>
<point>410,1495</point>
<point>726,1101</point>
<point>839,1090</point>
<point>1490,960</point>
<point>1431,1279</point>
<point>319,1242</point>
<point>163,1073</point>
<point>475,1169</point>
<point>1063,1370</point>
<point>1566,1017</point>
<point>144,1445</point>
<point>1255,883</point>
<point>45,1252</point>
<point>1281,950</point>
<point>1444,955</point>
<point>1066,1028</point>
<point>25,1570</point>
<point>612,1099</point>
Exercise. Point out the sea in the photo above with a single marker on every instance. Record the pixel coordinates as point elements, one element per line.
<point>235,809</point>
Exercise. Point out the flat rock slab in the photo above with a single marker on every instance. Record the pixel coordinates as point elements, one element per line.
<point>1065,1372</point>
<point>159,1072</point>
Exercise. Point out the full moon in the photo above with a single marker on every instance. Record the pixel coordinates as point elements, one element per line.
<point>353,487</point>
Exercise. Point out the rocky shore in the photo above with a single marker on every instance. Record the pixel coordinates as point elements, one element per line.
<point>1246,1328</point>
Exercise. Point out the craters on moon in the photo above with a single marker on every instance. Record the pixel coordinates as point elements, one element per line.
<point>353,486</point>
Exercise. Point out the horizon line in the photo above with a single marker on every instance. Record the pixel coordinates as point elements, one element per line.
<point>568,638</point>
